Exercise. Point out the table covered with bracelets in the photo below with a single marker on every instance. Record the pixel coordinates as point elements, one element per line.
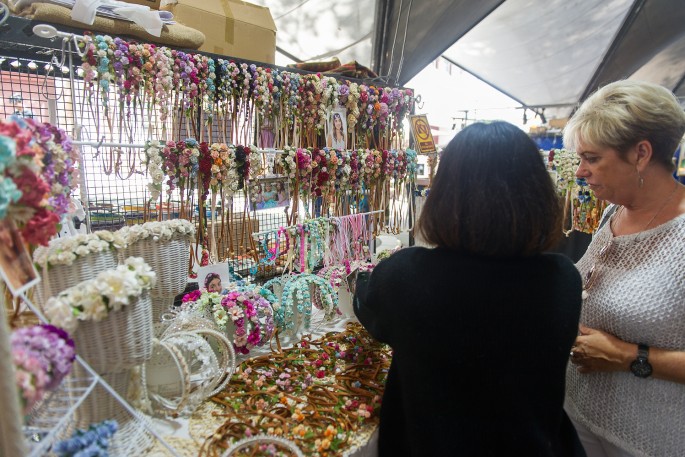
<point>320,392</point>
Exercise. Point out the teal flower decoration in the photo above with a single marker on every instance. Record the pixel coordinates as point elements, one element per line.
<point>8,194</point>
<point>8,152</point>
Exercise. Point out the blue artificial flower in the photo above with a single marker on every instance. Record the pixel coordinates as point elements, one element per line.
<point>581,182</point>
<point>8,194</point>
<point>8,152</point>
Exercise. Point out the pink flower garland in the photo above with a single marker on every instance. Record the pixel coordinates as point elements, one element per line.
<point>245,310</point>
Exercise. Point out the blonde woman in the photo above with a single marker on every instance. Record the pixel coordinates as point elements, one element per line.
<point>626,384</point>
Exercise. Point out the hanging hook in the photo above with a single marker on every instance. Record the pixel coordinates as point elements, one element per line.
<point>97,146</point>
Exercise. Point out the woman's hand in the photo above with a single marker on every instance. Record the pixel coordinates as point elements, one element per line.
<point>595,350</point>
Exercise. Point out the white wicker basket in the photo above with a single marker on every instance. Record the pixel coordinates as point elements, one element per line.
<point>100,405</point>
<point>59,277</point>
<point>120,341</point>
<point>161,305</point>
<point>168,258</point>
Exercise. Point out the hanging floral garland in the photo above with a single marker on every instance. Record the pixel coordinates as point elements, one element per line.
<point>580,202</point>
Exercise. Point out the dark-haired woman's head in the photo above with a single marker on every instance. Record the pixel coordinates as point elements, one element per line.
<point>492,195</point>
<point>213,282</point>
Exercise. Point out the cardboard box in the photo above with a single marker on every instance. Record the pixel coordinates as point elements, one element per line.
<point>232,28</point>
<point>558,123</point>
<point>153,4</point>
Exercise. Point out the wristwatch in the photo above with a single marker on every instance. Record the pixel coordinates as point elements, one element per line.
<point>641,367</point>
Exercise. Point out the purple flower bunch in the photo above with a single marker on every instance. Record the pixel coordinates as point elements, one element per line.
<point>93,442</point>
<point>43,356</point>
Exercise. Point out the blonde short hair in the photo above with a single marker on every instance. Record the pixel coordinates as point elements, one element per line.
<point>623,113</point>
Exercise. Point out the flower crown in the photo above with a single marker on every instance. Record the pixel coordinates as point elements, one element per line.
<point>252,317</point>
<point>94,299</point>
<point>158,230</point>
<point>64,251</point>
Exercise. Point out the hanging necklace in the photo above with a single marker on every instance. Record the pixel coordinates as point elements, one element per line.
<point>675,188</point>
<point>591,275</point>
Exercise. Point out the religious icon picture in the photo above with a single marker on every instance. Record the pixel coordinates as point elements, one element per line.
<point>16,266</point>
<point>269,193</point>
<point>336,138</point>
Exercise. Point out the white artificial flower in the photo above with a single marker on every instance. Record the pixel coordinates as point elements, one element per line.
<point>118,286</point>
<point>81,251</point>
<point>60,314</point>
<point>105,235</point>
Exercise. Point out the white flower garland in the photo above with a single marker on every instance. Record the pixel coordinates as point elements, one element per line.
<point>565,163</point>
<point>92,300</point>
<point>162,230</point>
<point>153,161</point>
<point>63,251</point>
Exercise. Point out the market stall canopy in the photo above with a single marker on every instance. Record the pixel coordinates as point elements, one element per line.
<point>545,54</point>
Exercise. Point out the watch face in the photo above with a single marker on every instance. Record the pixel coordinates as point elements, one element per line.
<point>641,368</point>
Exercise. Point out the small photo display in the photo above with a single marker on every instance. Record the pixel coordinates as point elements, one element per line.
<point>16,265</point>
<point>352,280</point>
<point>336,137</point>
<point>268,193</point>
<point>214,277</point>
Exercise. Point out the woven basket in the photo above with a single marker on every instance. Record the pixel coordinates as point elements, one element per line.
<point>161,305</point>
<point>132,437</point>
<point>168,258</point>
<point>121,340</point>
<point>59,277</point>
<point>100,405</point>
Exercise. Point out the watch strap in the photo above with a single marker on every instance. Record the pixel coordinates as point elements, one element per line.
<point>642,351</point>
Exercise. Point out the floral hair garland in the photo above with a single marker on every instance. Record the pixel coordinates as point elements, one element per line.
<point>64,251</point>
<point>581,202</point>
<point>163,75</point>
<point>246,315</point>
<point>252,317</point>
<point>157,230</point>
<point>322,402</point>
<point>37,175</point>
<point>94,299</point>
<point>153,162</point>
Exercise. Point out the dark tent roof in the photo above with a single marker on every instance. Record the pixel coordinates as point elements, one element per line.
<point>546,54</point>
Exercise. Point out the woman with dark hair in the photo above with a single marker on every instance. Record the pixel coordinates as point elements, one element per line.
<point>481,325</point>
<point>213,282</point>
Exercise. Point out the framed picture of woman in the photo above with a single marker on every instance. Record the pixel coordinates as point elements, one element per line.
<point>269,193</point>
<point>337,129</point>
<point>16,266</point>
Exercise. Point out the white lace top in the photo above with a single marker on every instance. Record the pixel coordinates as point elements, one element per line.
<point>639,296</point>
